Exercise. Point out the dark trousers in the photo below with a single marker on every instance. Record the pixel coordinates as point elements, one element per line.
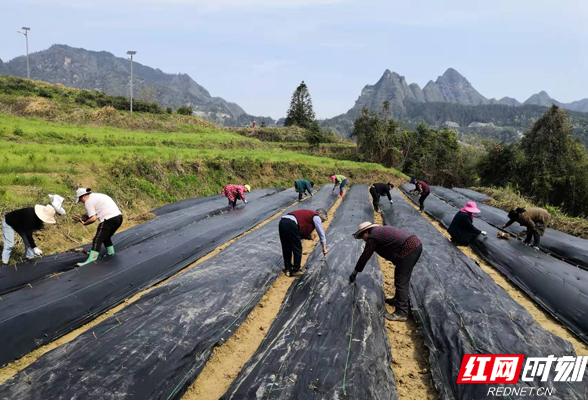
<point>300,194</point>
<point>422,200</point>
<point>375,198</point>
<point>291,243</point>
<point>402,274</point>
<point>533,234</point>
<point>105,232</point>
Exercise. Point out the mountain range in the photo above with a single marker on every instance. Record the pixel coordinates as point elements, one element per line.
<point>101,70</point>
<point>451,100</point>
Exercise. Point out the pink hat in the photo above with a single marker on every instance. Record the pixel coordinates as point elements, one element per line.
<point>471,208</point>
<point>332,177</point>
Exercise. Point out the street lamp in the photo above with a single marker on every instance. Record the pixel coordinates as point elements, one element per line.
<point>131,53</point>
<point>26,34</point>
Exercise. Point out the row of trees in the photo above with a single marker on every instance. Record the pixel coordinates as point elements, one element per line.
<point>432,155</point>
<point>547,165</point>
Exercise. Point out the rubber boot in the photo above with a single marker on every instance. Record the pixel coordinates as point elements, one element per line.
<point>92,257</point>
<point>110,250</point>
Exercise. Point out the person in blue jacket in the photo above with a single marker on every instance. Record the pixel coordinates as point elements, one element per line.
<point>302,187</point>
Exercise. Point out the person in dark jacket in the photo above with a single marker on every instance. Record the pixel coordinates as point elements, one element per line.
<point>24,222</point>
<point>423,189</point>
<point>462,229</point>
<point>380,189</point>
<point>400,247</point>
<point>534,219</point>
<point>303,186</point>
<point>294,227</point>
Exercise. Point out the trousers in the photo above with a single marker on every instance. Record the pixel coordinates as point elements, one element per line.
<point>8,240</point>
<point>402,274</point>
<point>105,231</point>
<point>291,243</point>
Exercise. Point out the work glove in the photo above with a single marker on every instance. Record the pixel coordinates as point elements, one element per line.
<point>484,233</point>
<point>352,277</point>
<point>37,251</point>
<point>245,201</point>
<point>391,201</point>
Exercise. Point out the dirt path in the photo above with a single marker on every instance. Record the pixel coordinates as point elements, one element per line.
<point>542,317</point>
<point>16,366</point>
<point>410,356</point>
<point>228,360</point>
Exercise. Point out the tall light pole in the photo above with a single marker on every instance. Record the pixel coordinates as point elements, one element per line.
<point>131,53</point>
<point>26,34</point>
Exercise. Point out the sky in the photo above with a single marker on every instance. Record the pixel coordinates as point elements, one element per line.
<point>256,52</point>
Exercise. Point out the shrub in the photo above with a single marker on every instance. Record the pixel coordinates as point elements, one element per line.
<point>184,110</point>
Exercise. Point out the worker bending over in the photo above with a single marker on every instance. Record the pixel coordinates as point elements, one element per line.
<point>100,207</point>
<point>400,247</point>
<point>234,193</point>
<point>534,219</point>
<point>303,186</point>
<point>380,189</point>
<point>462,229</point>
<point>423,189</point>
<point>340,181</point>
<point>24,222</point>
<point>294,227</point>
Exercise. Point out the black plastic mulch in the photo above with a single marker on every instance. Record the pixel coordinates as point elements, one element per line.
<point>31,317</point>
<point>164,339</point>
<point>461,310</point>
<point>329,339</point>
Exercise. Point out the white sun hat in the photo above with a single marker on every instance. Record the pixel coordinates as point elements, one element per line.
<point>46,213</point>
<point>56,202</point>
<point>80,192</point>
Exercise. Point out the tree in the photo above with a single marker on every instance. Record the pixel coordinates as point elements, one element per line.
<point>554,170</point>
<point>314,135</point>
<point>148,94</point>
<point>300,112</point>
<point>169,110</point>
<point>263,124</point>
<point>184,110</point>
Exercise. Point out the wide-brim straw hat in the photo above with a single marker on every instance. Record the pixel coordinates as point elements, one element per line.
<point>471,207</point>
<point>364,226</point>
<point>46,213</point>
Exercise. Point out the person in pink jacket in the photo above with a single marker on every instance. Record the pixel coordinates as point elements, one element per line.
<point>234,193</point>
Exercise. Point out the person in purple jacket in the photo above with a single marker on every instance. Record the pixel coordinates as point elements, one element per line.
<point>400,247</point>
<point>423,189</point>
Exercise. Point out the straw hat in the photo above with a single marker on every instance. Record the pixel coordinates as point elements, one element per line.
<point>248,188</point>
<point>46,213</point>
<point>364,226</point>
<point>80,192</point>
<point>471,207</point>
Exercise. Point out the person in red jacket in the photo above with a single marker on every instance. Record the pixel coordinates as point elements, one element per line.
<point>234,193</point>
<point>294,227</point>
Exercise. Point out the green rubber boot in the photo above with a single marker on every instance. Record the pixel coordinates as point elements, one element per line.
<point>92,257</point>
<point>110,250</point>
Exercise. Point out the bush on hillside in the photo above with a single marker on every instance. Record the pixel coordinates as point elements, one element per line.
<point>184,110</point>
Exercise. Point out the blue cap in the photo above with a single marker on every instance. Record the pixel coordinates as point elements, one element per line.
<point>412,180</point>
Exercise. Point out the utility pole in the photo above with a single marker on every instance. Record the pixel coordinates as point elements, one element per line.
<point>131,53</point>
<point>26,34</point>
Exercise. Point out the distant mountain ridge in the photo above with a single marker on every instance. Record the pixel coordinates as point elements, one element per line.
<point>101,70</point>
<point>439,101</point>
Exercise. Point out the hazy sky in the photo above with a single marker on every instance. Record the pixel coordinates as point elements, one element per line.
<point>255,52</point>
